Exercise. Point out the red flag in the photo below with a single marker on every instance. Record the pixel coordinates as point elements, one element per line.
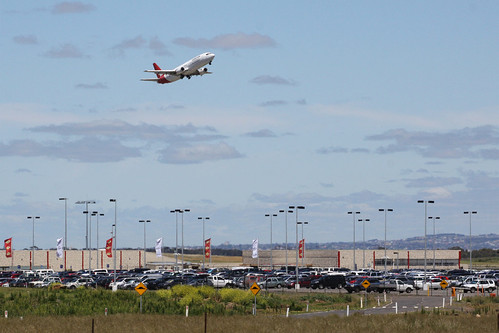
<point>8,247</point>
<point>109,248</point>
<point>301,245</point>
<point>207,248</point>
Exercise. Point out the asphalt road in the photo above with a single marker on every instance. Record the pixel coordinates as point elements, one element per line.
<point>397,303</point>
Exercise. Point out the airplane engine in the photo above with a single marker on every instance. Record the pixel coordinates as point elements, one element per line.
<point>181,70</point>
<point>202,71</point>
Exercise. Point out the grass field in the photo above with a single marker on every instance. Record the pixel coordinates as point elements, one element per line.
<point>415,322</point>
<point>46,311</point>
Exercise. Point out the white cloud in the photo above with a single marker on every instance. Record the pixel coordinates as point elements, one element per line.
<point>66,50</point>
<point>73,7</point>
<point>229,41</point>
<point>197,153</point>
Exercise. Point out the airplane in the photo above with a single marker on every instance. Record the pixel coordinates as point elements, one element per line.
<point>195,66</point>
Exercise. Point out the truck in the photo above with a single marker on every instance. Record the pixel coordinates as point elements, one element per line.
<point>395,285</point>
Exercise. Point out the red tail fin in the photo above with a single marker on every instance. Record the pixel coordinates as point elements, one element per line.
<point>156,67</point>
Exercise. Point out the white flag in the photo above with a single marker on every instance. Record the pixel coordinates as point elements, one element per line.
<point>159,245</point>
<point>255,248</point>
<point>59,247</point>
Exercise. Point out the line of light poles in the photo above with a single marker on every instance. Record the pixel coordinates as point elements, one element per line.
<point>471,249</point>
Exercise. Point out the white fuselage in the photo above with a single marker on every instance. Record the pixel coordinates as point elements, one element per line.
<point>190,67</point>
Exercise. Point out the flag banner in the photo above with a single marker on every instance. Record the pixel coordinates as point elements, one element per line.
<point>301,247</point>
<point>159,245</point>
<point>8,247</point>
<point>207,248</point>
<point>59,248</point>
<point>255,249</point>
<point>109,248</point>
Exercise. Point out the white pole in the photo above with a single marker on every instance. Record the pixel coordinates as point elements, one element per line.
<point>348,310</point>
<point>361,303</point>
<point>443,302</point>
<point>287,312</point>
<point>396,308</point>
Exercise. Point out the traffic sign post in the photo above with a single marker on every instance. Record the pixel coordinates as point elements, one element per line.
<point>366,285</point>
<point>140,289</point>
<point>444,284</point>
<point>255,289</point>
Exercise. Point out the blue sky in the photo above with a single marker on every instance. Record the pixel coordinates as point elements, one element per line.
<point>334,105</point>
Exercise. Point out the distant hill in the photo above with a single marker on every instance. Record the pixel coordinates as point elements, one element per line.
<point>442,241</point>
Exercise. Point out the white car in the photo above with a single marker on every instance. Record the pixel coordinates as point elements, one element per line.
<point>480,285</point>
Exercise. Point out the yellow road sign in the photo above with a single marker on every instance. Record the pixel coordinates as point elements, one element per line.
<point>444,284</point>
<point>255,288</point>
<point>366,284</point>
<point>141,288</point>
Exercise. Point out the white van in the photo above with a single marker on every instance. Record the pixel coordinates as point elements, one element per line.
<point>44,272</point>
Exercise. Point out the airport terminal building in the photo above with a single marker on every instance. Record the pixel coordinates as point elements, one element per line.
<point>371,259</point>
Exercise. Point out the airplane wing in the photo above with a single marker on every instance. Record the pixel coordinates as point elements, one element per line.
<point>153,80</point>
<point>201,73</point>
<point>160,71</point>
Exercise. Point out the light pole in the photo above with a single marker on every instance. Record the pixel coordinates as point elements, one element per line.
<point>296,208</point>
<point>65,223</point>
<point>203,219</point>
<point>397,259</point>
<point>364,241</point>
<point>286,232</point>
<point>176,236</point>
<point>470,213</point>
<point>426,202</point>
<point>177,211</point>
<point>144,221</point>
<point>97,232</point>
<point>90,241</point>
<point>85,202</point>
<point>270,215</point>
<point>303,239</point>
<point>353,213</point>
<point>386,210</point>
<point>114,236</point>
<point>33,218</point>
<point>433,218</point>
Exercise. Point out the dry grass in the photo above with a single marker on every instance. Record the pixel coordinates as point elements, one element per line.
<point>415,322</point>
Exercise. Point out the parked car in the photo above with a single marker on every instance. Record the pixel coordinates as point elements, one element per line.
<point>357,285</point>
<point>271,282</point>
<point>480,285</point>
<point>329,281</point>
<point>304,282</point>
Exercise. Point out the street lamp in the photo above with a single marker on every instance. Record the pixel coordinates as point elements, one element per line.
<point>97,247</point>
<point>426,202</point>
<point>179,211</point>
<point>303,239</point>
<point>144,221</point>
<point>65,224</point>
<point>203,219</point>
<point>114,238</point>
<point>470,213</point>
<point>433,218</point>
<point>296,209</point>
<point>90,242</point>
<point>364,241</point>
<point>270,215</point>
<point>353,215</point>
<point>86,202</point>
<point>286,232</point>
<point>33,245</point>
<point>386,210</point>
